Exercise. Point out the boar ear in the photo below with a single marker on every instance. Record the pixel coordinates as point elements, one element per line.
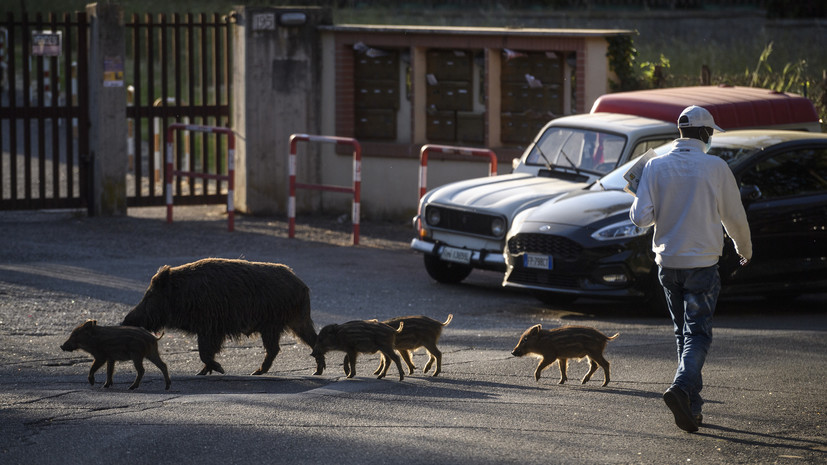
<point>161,278</point>
<point>536,328</point>
<point>90,323</point>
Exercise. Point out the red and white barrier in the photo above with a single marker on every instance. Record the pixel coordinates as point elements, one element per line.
<point>423,160</point>
<point>229,177</point>
<point>355,190</point>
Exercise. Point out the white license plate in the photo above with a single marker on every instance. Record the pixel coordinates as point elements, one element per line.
<point>450,254</point>
<point>540,262</point>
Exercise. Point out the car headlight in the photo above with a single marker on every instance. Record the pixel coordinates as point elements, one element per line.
<point>622,230</point>
<point>497,227</point>
<point>433,216</point>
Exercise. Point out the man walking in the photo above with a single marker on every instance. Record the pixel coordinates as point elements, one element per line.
<point>687,195</point>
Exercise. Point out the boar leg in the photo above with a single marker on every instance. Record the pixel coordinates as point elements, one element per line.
<point>110,370</point>
<point>592,369</point>
<point>156,359</point>
<point>320,365</point>
<point>598,359</point>
<point>564,365</point>
<point>346,365</point>
<point>382,362</point>
<point>392,355</point>
<point>270,339</point>
<point>207,348</point>
<point>139,367</point>
<point>304,331</point>
<point>406,356</point>
<point>95,367</point>
<point>545,362</point>
<point>435,356</point>
<point>350,364</point>
<point>307,334</point>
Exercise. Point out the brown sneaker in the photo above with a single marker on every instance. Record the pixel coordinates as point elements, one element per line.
<point>678,403</point>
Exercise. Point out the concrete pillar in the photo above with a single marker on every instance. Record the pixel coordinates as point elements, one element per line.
<point>107,110</point>
<point>276,92</point>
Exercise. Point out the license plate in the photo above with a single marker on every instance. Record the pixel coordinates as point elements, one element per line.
<point>450,254</point>
<point>539,262</point>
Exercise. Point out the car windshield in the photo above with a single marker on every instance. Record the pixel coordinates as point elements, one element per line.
<point>597,152</point>
<point>730,152</point>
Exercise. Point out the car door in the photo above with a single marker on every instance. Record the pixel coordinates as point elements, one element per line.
<point>786,204</point>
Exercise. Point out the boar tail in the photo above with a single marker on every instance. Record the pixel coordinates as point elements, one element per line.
<point>450,317</point>
<point>613,337</point>
<point>399,329</point>
<point>159,336</point>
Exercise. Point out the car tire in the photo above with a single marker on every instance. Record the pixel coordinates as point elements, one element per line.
<point>554,298</point>
<point>446,272</point>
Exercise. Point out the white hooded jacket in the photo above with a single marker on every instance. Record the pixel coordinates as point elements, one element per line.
<point>688,195</point>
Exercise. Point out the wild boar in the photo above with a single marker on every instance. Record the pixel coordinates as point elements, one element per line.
<point>360,336</point>
<point>562,344</point>
<point>218,298</point>
<point>420,331</point>
<point>108,344</point>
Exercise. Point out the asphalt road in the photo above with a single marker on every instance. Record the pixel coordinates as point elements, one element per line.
<point>765,376</point>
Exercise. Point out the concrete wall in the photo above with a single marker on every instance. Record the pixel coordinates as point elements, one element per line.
<point>276,78</point>
<point>107,95</point>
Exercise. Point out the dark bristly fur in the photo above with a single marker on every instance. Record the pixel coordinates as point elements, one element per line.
<point>218,298</point>
<point>108,344</point>
<point>420,331</point>
<point>361,336</point>
<point>562,344</point>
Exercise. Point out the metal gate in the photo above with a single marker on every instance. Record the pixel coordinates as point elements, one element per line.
<point>44,159</point>
<point>179,70</point>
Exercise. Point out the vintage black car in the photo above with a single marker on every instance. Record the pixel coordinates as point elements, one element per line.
<point>583,244</point>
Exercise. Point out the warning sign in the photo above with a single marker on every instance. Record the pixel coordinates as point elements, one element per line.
<point>113,71</point>
<point>47,43</point>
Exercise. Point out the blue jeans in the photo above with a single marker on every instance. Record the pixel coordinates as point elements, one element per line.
<point>691,295</point>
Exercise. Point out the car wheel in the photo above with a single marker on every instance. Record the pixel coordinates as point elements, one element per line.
<point>446,272</point>
<point>553,298</point>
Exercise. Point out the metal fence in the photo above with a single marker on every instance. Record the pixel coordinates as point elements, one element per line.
<point>178,68</point>
<point>44,162</point>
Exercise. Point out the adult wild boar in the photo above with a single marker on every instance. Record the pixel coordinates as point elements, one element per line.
<point>218,298</point>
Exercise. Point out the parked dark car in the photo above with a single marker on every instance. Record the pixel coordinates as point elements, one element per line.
<point>582,244</point>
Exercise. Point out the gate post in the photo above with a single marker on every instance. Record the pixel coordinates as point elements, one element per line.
<point>276,77</point>
<point>107,155</point>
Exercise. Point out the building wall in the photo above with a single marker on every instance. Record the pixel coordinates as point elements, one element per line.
<point>390,166</point>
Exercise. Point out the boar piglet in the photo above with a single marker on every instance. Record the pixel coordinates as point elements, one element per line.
<point>419,331</point>
<point>108,344</point>
<point>562,344</point>
<point>355,337</point>
<point>218,298</point>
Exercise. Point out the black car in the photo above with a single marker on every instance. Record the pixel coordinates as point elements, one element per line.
<point>583,244</point>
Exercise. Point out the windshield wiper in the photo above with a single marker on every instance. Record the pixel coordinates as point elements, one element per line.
<point>576,169</point>
<point>548,163</point>
<point>542,154</point>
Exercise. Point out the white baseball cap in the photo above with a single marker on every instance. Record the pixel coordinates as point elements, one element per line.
<point>697,117</point>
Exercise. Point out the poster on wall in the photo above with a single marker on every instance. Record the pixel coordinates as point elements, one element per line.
<point>113,71</point>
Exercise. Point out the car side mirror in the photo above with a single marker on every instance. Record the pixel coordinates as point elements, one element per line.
<point>750,192</point>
